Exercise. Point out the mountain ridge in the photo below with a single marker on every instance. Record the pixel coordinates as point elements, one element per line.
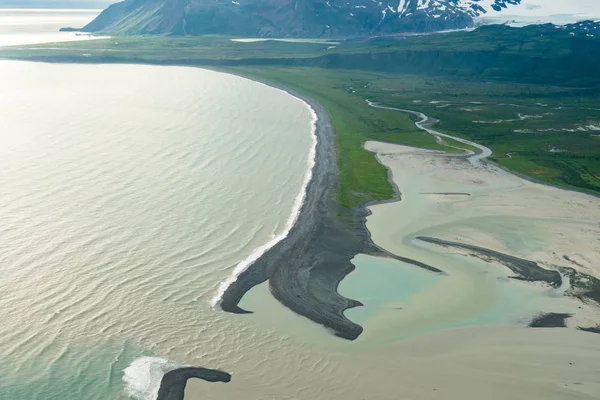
<point>294,18</point>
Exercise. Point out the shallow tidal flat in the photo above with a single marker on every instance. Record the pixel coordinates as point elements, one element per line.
<point>462,333</point>
<point>473,223</point>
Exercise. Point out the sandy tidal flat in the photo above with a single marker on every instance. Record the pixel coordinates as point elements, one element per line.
<point>445,197</point>
<point>476,363</point>
<point>461,335</point>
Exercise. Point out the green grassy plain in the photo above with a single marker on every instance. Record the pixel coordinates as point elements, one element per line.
<point>544,132</point>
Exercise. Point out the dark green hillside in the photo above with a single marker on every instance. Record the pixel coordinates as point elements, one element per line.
<point>288,18</point>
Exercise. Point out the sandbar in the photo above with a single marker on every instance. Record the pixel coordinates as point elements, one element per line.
<point>305,269</point>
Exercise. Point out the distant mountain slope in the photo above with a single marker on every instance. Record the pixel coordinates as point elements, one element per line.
<point>297,18</point>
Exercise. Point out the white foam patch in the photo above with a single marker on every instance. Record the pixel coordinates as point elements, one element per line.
<point>142,378</point>
<point>297,206</point>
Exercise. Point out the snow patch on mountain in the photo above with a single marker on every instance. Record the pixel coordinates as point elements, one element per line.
<point>338,18</point>
<point>528,12</point>
<point>512,12</point>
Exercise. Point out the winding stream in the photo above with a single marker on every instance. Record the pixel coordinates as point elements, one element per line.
<point>426,123</point>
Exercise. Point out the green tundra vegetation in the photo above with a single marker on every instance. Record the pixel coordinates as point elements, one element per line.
<point>532,95</point>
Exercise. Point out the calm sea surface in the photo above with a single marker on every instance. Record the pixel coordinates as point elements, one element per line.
<point>25,26</point>
<point>127,194</point>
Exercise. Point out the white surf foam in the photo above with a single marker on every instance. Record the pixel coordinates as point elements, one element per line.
<point>142,378</point>
<point>297,206</point>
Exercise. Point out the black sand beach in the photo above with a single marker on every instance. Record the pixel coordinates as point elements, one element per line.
<point>305,269</point>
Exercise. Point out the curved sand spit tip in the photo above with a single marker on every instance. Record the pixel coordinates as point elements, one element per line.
<point>142,378</point>
<point>154,378</point>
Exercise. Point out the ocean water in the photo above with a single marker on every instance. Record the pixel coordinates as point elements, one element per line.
<point>128,194</point>
<point>19,26</point>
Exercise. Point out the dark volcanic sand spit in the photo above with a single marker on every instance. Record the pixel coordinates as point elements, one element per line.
<point>305,269</point>
<point>172,385</point>
<point>550,320</point>
<point>526,270</point>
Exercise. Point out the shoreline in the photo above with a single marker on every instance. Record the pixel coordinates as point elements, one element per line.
<point>257,253</point>
<point>305,268</point>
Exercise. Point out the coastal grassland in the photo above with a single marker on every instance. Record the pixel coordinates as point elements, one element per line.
<point>532,95</point>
